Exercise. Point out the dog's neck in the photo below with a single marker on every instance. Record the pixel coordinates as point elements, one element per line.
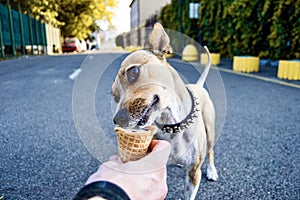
<point>186,121</point>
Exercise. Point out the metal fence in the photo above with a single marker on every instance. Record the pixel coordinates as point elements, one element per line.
<point>22,34</point>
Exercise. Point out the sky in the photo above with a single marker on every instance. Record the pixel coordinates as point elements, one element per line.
<point>121,20</point>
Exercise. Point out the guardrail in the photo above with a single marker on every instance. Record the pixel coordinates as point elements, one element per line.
<point>22,34</point>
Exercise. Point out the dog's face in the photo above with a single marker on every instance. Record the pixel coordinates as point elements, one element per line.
<point>144,84</point>
<point>140,90</point>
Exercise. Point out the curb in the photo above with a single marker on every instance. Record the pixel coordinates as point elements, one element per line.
<point>277,81</point>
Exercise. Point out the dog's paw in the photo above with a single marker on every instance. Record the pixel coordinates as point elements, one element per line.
<point>212,173</point>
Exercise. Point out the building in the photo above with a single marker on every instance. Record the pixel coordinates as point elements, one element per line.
<point>143,14</point>
<point>144,10</point>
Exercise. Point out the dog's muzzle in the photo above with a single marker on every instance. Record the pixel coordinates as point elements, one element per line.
<point>140,114</point>
<point>122,117</point>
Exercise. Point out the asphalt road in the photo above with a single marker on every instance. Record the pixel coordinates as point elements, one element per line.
<point>43,121</point>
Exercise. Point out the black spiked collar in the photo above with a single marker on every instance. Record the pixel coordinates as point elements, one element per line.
<point>185,123</point>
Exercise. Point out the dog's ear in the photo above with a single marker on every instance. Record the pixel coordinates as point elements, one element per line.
<point>159,41</point>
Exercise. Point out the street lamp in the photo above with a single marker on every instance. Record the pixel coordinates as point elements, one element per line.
<point>180,16</point>
<point>194,15</point>
<point>194,10</point>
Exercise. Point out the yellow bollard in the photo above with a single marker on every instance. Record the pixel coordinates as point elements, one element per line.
<point>190,53</point>
<point>255,66</point>
<point>236,64</point>
<point>247,67</point>
<point>128,48</point>
<point>280,68</point>
<point>118,48</point>
<point>170,54</point>
<point>132,48</point>
<point>215,58</point>
<point>297,71</point>
<point>285,70</point>
<point>289,69</point>
<point>294,70</point>
<point>245,64</point>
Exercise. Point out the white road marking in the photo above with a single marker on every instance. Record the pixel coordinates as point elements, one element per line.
<point>74,75</point>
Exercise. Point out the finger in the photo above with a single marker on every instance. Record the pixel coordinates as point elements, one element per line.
<point>158,145</point>
<point>152,145</point>
<point>155,160</point>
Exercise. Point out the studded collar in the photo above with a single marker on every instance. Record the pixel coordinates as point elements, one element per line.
<point>185,123</point>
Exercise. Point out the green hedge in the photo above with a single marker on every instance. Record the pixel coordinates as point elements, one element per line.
<point>265,28</point>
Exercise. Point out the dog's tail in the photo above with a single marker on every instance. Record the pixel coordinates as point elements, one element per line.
<point>206,69</point>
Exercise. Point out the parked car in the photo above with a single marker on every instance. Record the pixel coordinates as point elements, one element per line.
<point>70,45</point>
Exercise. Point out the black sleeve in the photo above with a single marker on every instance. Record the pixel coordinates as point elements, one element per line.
<point>102,189</point>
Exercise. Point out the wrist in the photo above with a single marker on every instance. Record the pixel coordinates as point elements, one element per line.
<point>104,189</point>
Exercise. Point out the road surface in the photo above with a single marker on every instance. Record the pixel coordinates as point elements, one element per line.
<point>44,157</point>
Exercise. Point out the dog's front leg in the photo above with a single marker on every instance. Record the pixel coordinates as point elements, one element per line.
<point>193,178</point>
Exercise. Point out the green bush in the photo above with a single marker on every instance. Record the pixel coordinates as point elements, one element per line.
<point>119,41</point>
<point>269,29</point>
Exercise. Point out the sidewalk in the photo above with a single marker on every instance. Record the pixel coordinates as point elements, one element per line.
<point>109,47</point>
<point>266,72</point>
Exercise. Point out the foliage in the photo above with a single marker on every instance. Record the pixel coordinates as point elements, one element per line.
<point>76,18</point>
<point>80,16</point>
<point>269,29</point>
<point>120,41</point>
<point>170,15</point>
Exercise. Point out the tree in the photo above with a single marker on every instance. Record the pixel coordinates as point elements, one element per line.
<point>269,29</point>
<point>170,15</point>
<point>80,16</point>
<point>76,18</point>
<point>284,37</point>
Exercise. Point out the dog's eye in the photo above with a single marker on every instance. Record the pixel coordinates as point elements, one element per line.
<point>133,73</point>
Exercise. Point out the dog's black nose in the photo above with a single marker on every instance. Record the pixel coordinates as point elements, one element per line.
<point>122,118</point>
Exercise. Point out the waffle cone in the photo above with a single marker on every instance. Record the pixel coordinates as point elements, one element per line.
<point>134,144</point>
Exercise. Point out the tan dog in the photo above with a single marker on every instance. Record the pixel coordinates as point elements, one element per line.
<point>149,91</point>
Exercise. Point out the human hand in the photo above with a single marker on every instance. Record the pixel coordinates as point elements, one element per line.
<point>141,179</point>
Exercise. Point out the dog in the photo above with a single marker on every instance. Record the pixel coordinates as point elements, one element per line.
<point>148,91</point>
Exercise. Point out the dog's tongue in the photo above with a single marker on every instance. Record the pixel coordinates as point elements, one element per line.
<point>138,130</point>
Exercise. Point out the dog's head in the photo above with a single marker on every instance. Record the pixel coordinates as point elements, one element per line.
<point>144,86</point>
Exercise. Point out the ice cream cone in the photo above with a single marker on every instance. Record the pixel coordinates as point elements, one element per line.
<point>133,144</point>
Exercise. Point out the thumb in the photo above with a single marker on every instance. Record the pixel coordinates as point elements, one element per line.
<point>159,145</point>
<point>155,160</point>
